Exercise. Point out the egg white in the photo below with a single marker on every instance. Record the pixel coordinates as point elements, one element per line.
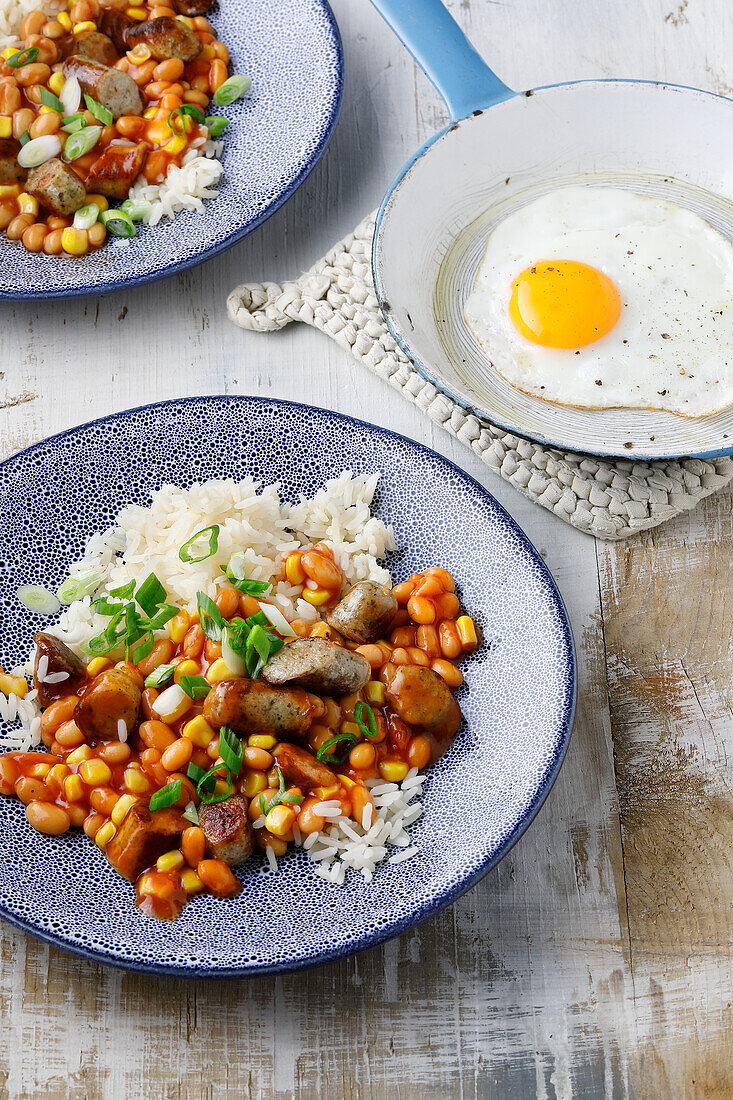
<point>672,347</point>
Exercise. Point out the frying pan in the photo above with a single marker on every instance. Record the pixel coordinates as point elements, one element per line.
<point>501,150</point>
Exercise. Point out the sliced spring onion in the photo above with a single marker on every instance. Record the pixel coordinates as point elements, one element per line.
<point>191,814</point>
<point>194,549</point>
<point>136,209</point>
<point>81,142</point>
<point>233,660</point>
<point>166,796</point>
<point>73,123</point>
<point>235,568</point>
<point>231,750</point>
<point>204,788</point>
<point>105,606</point>
<point>278,620</point>
<point>169,701</point>
<point>281,796</point>
<point>257,651</point>
<point>365,720</point>
<point>39,150</point>
<point>24,138</point>
<point>124,592</point>
<point>143,650</point>
<point>117,222</point>
<point>87,216</point>
<point>195,687</point>
<point>70,96</point>
<point>83,584</point>
<point>48,99</point>
<point>23,57</point>
<point>160,676</point>
<point>231,89</point>
<point>163,615</point>
<point>151,594</point>
<point>216,125</point>
<point>324,755</point>
<point>178,115</point>
<point>210,617</point>
<point>194,772</point>
<point>251,588</point>
<point>38,599</point>
<point>99,111</point>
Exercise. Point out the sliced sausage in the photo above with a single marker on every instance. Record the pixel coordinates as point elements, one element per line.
<point>319,665</point>
<point>115,90</point>
<point>365,612</point>
<point>193,7</point>
<point>94,46</point>
<point>143,836</point>
<point>60,662</point>
<point>10,171</point>
<point>249,706</point>
<point>111,696</point>
<point>115,24</point>
<point>302,768</point>
<point>228,830</point>
<point>114,173</point>
<point>165,37</point>
<point>422,698</point>
<point>57,187</point>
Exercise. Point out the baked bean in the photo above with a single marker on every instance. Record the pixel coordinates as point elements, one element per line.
<point>450,640</point>
<point>47,818</point>
<point>200,83</point>
<point>446,580</point>
<point>198,98</point>
<point>48,51</point>
<point>21,121</point>
<point>360,799</point>
<point>194,640</point>
<point>97,235</point>
<point>403,636</point>
<point>103,800</point>
<point>362,756</point>
<point>117,752</point>
<point>452,675</point>
<point>421,610</point>
<point>218,877</point>
<point>402,592</point>
<point>217,75</point>
<point>83,11</point>
<point>53,245</point>
<point>317,705</point>
<point>212,650</point>
<point>59,712</point>
<point>171,70</point>
<point>308,821</point>
<point>131,126</point>
<point>248,605</point>
<point>77,814</point>
<point>381,725</point>
<point>448,606</point>
<point>156,89</point>
<point>10,99</point>
<point>148,698</point>
<point>69,735</point>
<point>92,824</point>
<point>30,790</point>
<point>417,657</point>
<point>331,713</point>
<point>255,809</point>
<point>45,124</point>
<point>221,51</point>
<point>212,749</point>
<point>400,656</point>
<point>318,735</point>
<point>322,570</point>
<point>426,638</point>
<point>56,222</point>
<point>141,74</point>
<point>32,23</point>
<point>160,654</point>
<point>34,237</point>
<point>156,735</point>
<point>169,102</point>
<point>123,65</point>
<point>177,755</point>
<point>9,775</point>
<point>188,791</point>
<point>7,212</point>
<point>202,24</point>
<point>53,29</point>
<point>34,74</point>
<point>161,10</point>
<point>18,226</point>
<point>265,840</point>
<point>260,760</point>
<point>228,602</point>
<point>429,587</point>
<point>419,752</point>
<point>193,845</point>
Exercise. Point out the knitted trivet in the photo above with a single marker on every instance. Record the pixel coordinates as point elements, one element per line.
<point>605,498</point>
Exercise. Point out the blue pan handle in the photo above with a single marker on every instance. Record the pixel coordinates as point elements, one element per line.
<point>445,55</point>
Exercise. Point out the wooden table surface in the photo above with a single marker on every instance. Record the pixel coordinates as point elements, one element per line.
<point>596,960</point>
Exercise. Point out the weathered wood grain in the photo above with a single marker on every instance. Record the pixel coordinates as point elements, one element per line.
<point>583,967</point>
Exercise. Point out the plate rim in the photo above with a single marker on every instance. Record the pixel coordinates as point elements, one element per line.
<point>178,266</point>
<point>434,905</point>
<point>420,366</point>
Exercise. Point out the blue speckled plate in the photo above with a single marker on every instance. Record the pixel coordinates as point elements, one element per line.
<point>277,134</point>
<point>518,699</point>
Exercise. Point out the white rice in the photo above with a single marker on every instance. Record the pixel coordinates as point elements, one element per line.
<point>13,12</point>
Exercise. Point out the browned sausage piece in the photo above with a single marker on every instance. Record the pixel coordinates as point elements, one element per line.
<point>115,24</point>
<point>422,698</point>
<point>249,706</point>
<point>111,697</point>
<point>10,171</point>
<point>115,90</point>
<point>114,173</point>
<point>319,665</point>
<point>193,7</point>
<point>302,768</point>
<point>165,37</point>
<point>365,612</point>
<point>57,188</point>
<point>59,660</point>
<point>142,837</point>
<point>94,46</point>
<point>228,830</point>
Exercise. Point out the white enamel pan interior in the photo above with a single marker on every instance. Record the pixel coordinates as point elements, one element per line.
<point>502,150</point>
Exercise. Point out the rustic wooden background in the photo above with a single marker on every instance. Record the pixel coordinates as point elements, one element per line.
<point>596,960</point>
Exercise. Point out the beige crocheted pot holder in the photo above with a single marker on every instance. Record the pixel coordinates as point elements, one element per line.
<point>611,500</point>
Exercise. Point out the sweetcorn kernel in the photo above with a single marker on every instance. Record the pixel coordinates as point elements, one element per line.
<point>393,771</point>
<point>255,783</point>
<point>178,626</point>
<point>95,773</point>
<point>191,883</point>
<point>136,13</point>
<point>136,781</point>
<point>104,835</point>
<point>56,82</point>
<point>39,771</point>
<point>75,241</point>
<point>262,741</point>
<point>176,145</point>
<point>185,668</point>
<point>6,126</point>
<point>78,756</point>
<point>64,19</point>
<point>97,665</point>
<point>73,788</point>
<point>199,731</point>
<point>217,671</point>
<point>376,692</point>
<point>99,200</point>
<point>83,27</point>
<point>170,861</point>
<point>122,807</point>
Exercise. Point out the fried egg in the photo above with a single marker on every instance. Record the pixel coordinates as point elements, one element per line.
<point>601,298</point>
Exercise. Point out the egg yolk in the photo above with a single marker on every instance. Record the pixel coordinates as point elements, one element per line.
<point>564,304</point>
